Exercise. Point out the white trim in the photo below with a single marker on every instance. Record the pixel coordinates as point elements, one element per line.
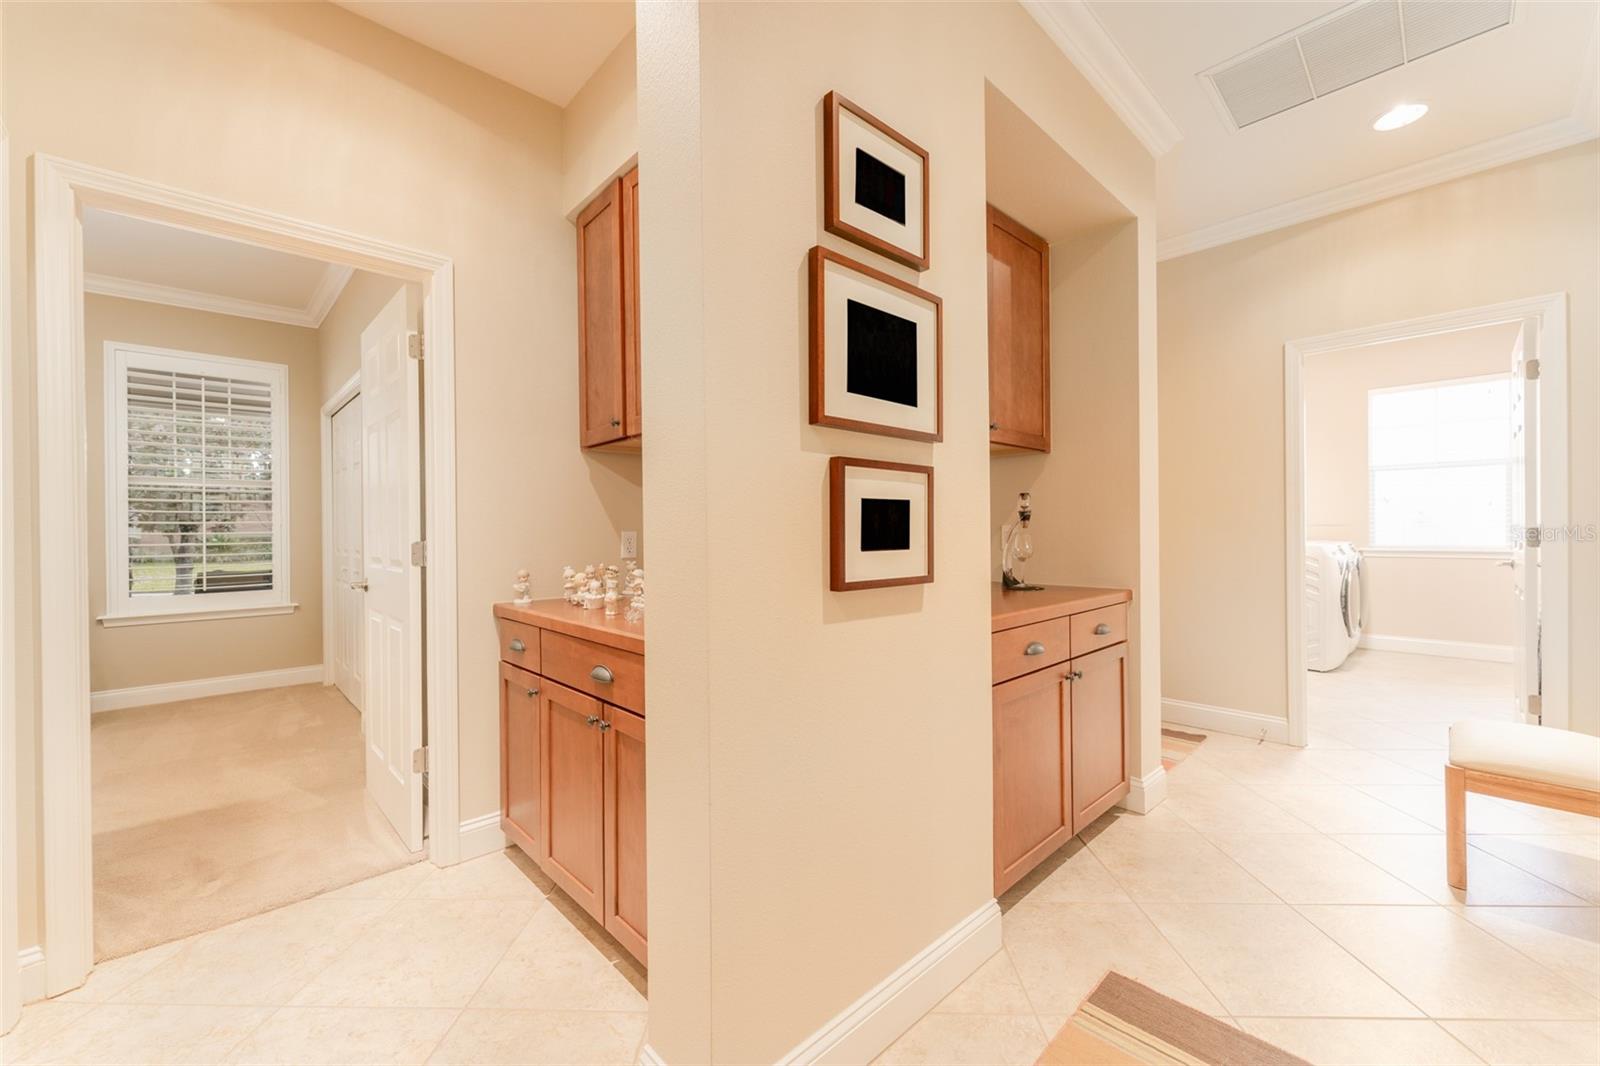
<point>1146,793</point>
<point>193,300</point>
<point>1250,724</point>
<point>481,836</point>
<point>116,699</point>
<point>863,1029</point>
<point>1075,29</point>
<point>330,407</point>
<point>30,974</point>
<point>10,981</point>
<point>649,1056</point>
<point>1448,649</point>
<point>334,278</point>
<point>1547,315</point>
<point>160,618</point>
<point>1436,553</point>
<point>1550,137</point>
<point>61,188</point>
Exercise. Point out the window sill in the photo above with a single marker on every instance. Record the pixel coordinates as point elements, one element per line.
<point>1437,553</point>
<point>156,618</point>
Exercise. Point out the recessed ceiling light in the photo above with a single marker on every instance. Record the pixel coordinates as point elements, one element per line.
<point>1399,115</point>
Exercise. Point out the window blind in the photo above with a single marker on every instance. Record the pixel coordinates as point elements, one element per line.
<point>199,482</point>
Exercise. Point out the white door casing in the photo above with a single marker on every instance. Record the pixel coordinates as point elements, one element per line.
<point>1524,513</point>
<point>347,612</point>
<point>391,473</point>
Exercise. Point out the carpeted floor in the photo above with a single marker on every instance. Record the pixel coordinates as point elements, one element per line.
<point>211,810</point>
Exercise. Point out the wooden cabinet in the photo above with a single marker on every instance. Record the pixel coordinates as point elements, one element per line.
<point>608,315</point>
<point>1019,335</point>
<point>572,764</point>
<point>1060,719</point>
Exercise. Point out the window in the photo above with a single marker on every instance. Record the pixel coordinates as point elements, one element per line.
<point>197,486</point>
<point>1439,465</point>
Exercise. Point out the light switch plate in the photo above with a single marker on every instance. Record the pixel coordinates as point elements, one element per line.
<point>630,544</point>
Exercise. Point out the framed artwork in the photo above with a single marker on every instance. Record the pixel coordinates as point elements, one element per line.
<point>875,184</point>
<point>880,524</point>
<point>877,351</point>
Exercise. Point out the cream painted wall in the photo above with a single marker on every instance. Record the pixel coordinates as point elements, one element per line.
<point>599,129</point>
<point>1433,597</point>
<point>310,111</point>
<point>1521,230</point>
<point>826,788</point>
<point>339,336</point>
<point>126,656</point>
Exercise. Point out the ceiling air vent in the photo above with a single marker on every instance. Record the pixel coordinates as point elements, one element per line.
<point>1346,46</point>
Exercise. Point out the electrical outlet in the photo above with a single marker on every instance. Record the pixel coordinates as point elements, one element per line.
<point>630,544</point>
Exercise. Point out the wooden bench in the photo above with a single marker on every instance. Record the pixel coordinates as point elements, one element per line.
<point>1527,763</point>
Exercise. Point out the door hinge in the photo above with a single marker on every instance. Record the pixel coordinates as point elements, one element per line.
<point>414,345</point>
<point>419,553</point>
<point>1536,707</point>
<point>1531,537</point>
<point>1530,370</point>
<point>419,760</point>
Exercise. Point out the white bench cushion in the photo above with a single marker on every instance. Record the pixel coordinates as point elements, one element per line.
<point>1531,752</point>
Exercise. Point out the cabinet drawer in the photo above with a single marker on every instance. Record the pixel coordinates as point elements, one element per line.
<point>586,666</point>
<point>1028,648</point>
<point>1093,630</point>
<point>519,643</point>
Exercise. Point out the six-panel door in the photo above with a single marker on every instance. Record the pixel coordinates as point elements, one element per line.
<point>1099,733</point>
<point>520,799</point>
<point>1032,772</point>
<point>572,772</point>
<point>625,848</point>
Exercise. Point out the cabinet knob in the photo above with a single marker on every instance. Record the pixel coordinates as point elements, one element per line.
<point>615,422</point>
<point>1102,629</point>
<point>993,426</point>
<point>1074,675</point>
<point>517,645</point>
<point>1034,649</point>
<point>592,719</point>
<point>602,674</point>
<point>532,692</point>
<point>604,725</point>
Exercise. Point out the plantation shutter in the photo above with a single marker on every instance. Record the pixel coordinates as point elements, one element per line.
<point>200,487</point>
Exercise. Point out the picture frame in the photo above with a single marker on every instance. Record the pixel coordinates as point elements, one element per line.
<point>875,184</point>
<point>876,351</point>
<point>880,524</point>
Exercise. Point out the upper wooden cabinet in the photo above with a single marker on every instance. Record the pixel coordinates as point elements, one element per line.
<point>1019,335</point>
<point>608,315</point>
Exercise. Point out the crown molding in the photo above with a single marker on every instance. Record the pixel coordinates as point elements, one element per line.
<point>1072,25</point>
<point>333,281</point>
<point>1524,144</point>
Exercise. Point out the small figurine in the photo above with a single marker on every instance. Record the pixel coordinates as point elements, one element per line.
<point>636,608</point>
<point>520,587</point>
<point>569,585</point>
<point>611,602</point>
<point>593,596</point>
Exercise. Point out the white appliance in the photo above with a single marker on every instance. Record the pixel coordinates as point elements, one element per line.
<point>1334,614</point>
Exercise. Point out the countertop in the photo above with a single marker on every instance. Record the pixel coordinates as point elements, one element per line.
<point>1009,609</point>
<point>563,617</point>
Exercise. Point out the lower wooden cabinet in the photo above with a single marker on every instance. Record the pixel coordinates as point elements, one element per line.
<point>1099,733</point>
<point>625,850</point>
<point>521,798</point>
<point>1032,772</point>
<point>573,775</point>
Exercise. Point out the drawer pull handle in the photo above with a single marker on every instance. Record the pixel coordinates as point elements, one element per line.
<point>1102,629</point>
<point>532,692</point>
<point>591,720</point>
<point>517,645</point>
<point>604,725</point>
<point>602,674</point>
<point>1034,649</point>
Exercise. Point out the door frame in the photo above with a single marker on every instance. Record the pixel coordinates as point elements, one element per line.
<point>341,396</point>
<point>61,188</point>
<point>1547,316</point>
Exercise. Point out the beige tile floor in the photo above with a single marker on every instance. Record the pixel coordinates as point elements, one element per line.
<point>1300,894</point>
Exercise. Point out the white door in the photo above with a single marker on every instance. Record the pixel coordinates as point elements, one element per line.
<point>349,578</point>
<point>1524,514</point>
<point>391,475</point>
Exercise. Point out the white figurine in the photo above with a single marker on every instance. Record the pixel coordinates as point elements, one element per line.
<point>520,587</point>
<point>636,608</point>
<point>569,585</point>
<point>611,602</point>
<point>593,596</point>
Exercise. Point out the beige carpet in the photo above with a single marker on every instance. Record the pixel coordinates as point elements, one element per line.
<point>211,810</point>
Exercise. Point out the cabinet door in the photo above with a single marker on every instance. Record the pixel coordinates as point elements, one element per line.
<point>625,853</point>
<point>520,799</point>
<point>573,772</point>
<point>1099,733</point>
<point>1032,772</point>
<point>1019,335</point>
<point>632,424</point>
<point>602,319</point>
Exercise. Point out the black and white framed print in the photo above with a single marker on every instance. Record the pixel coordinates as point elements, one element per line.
<point>880,524</point>
<point>875,184</point>
<point>877,351</point>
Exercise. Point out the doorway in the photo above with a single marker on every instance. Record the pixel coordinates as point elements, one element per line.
<point>1424,461</point>
<point>342,474</point>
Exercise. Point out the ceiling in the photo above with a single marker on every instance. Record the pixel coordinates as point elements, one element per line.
<point>1508,94</point>
<point>548,49</point>
<point>142,260</point>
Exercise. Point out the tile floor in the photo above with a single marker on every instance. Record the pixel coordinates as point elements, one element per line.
<point>1300,894</point>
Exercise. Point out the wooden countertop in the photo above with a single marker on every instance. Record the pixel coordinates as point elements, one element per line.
<point>563,617</point>
<point>1009,609</point>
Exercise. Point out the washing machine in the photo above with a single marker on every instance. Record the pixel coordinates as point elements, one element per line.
<point>1333,612</point>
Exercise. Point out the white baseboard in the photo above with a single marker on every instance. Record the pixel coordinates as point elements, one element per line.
<point>862,1030</point>
<point>1146,793</point>
<point>115,699</point>
<point>1250,724</point>
<point>30,973</point>
<point>481,836</point>
<point>648,1056</point>
<point>1449,649</point>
